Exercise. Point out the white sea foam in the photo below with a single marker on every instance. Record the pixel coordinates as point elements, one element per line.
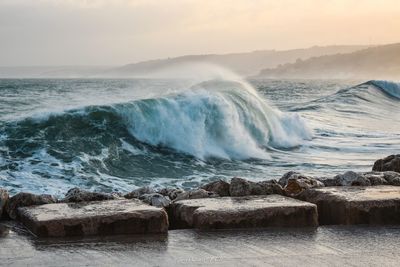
<point>215,119</point>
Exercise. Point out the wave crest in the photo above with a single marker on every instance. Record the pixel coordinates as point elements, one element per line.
<point>214,119</point>
<point>388,87</point>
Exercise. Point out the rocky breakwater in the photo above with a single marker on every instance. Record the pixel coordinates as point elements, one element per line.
<point>294,200</point>
<point>244,204</point>
<point>359,198</point>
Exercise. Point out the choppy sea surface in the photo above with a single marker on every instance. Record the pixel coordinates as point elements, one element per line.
<point>114,134</point>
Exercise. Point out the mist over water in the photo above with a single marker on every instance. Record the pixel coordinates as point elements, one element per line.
<point>114,135</point>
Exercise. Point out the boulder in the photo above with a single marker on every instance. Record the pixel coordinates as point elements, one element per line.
<point>271,187</point>
<point>195,194</point>
<point>156,200</point>
<point>24,200</point>
<point>376,178</point>
<point>243,212</point>
<point>295,183</point>
<point>78,195</point>
<point>351,178</point>
<point>390,163</point>
<point>3,200</point>
<point>172,193</point>
<point>122,216</point>
<point>355,204</point>
<point>219,187</point>
<point>242,187</point>
<point>393,178</point>
<point>284,179</point>
<point>139,191</point>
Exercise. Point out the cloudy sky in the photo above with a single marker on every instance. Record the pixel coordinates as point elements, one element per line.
<point>113,32</point>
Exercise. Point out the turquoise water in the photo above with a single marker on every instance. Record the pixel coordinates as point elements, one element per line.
<point>115,135</point>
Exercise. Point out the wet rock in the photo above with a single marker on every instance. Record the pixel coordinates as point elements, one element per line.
<point>329,182</point>
<point>195,194</point>
<point>242,187</point>
<point>355,205</point>
<point>393,178</point>
<point>78,195</point>
<point>296,185</point>
<point>284,179</point>
<point>271,187</point>
<point>295,182</point>
<point>122,216</point>
<point>351,178</point>
<point>4,230</point>
<point>376,178</point>
<point>156,200</point>
<point>24,200</point>
<point>3,199</point>
<point>172,193</point>
<point>219,187</point>
<point>243,212</point>
<point>140,191</point>
<point>390,163</point>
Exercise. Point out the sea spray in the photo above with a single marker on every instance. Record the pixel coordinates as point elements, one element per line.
<point>214,119</point>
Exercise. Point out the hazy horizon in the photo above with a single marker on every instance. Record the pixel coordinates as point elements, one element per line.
<point>111,33</point>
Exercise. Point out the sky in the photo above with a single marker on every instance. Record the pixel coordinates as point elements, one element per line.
<point>117,32</point>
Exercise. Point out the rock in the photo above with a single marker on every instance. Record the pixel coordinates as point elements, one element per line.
<point>172,193</point>
<point>78,195</point>
<point>122,216</point>
<point>4,230</point>
<point>376,178</point>
<point>355,205</point>
<point>3,200</point>
<point>156,200</point>
<point>24,200</point>
<point>219,187</point>
<point>241,187</point>
<point>351,178</point>
<point>296,185</point>
<point>271,187</point>
<point>284,179</point>
<point>329,182</point>
<point>194,194</point>
<point>390,163</point>
<point>243,212</point>
<point>140,191</point>
<point>393,178</point>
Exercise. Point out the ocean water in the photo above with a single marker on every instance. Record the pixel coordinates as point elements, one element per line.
<point>115,135</point>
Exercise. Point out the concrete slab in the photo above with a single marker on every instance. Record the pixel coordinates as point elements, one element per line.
<point>94,218</point>
<point>356,204</point>
<point>242,212</point>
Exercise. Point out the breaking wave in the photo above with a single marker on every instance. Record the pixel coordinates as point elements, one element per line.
<point>213,119</point>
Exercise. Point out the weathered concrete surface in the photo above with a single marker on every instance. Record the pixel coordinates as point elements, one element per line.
<point>24,200</point>
<point>356,204</point>
<point>94,218</point>
<point>243,212</point>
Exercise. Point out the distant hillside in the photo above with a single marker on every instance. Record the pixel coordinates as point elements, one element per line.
<point>243,63</point>
<point>380,62</point>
